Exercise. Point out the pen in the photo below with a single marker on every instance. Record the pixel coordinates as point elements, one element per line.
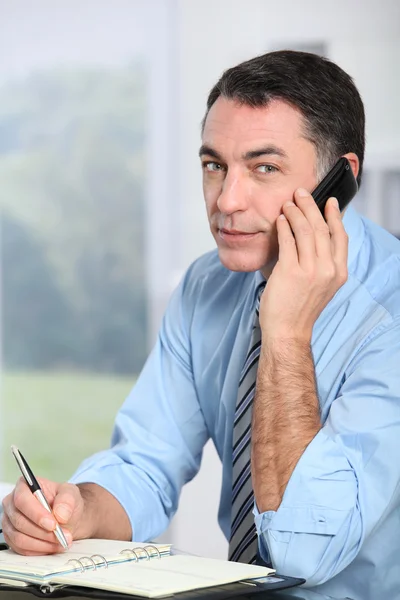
<point>37,491</point>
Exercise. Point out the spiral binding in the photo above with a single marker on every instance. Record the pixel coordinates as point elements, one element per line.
<point>82,562</point>
<point>144,549</point>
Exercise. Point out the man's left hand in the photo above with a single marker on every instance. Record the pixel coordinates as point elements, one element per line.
<point>311,267</point>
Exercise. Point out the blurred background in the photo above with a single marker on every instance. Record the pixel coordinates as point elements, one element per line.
<point>101,201</point>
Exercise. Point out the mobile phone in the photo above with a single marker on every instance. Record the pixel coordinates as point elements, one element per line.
<point>339,182</point>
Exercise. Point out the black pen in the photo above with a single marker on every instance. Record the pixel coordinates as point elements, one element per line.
<point>37,491</point>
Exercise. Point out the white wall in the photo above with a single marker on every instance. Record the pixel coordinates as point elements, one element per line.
<point>361,36</point>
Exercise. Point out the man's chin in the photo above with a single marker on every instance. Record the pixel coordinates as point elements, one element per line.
<point>246,264</point>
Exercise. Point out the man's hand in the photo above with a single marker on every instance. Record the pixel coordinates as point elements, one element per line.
<point>312,266</point>
<point>86,510</point>
<point>28,527</point>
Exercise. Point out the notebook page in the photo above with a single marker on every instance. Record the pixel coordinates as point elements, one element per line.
<point>45,566</point>
<point>165,576</point>
<point>34,565</point>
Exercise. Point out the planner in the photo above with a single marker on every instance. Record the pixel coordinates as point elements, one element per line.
<point>148,570</point>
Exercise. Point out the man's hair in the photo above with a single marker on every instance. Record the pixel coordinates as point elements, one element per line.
<point>326,96</point>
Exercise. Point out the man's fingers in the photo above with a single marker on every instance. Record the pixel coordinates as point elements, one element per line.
<point>314,217</point>
<point>339,238</point>
<point>28,527</point>
<point>66,502</point>
<point>287,244</point>
<point>316,238</point>
<point>25,544</point>
<point>21,523</point>
<point>26,503</point>
<point>303,233</point>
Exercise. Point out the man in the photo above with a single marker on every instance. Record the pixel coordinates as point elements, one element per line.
<point>318,389</point>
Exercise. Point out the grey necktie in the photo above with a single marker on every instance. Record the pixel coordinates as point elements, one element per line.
<point>243,544</point>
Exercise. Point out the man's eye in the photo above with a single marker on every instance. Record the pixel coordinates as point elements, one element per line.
<point>212,166</point>
<point>266,169</point>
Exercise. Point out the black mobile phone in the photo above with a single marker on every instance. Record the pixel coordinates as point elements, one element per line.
<point>339,182</point>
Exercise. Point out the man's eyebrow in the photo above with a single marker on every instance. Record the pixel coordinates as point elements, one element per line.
<point>266,150</point>
<point>204,149</point>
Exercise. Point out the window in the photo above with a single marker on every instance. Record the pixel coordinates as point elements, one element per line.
<point>75,126</point>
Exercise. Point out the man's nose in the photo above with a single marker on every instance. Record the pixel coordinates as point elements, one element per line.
<point>233,195</point>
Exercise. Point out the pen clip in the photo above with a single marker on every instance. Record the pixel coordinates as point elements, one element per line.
<point>25,470</point>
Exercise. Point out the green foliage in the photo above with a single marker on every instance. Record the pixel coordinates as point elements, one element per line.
<point>72,185</point>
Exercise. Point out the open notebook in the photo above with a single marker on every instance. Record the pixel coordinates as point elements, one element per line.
<point>124,567</point>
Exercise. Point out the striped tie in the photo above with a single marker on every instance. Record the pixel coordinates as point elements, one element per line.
<point>243,544</point>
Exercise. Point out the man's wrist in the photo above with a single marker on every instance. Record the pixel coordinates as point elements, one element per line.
<point>87,526</point>
<point>284,340</point>
<point>102,515</point>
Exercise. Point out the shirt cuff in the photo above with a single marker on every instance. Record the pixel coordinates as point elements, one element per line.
<point>110,472</point>
<point>320,494</point>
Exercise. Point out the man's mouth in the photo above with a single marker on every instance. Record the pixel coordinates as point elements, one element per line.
<point>235,236</point>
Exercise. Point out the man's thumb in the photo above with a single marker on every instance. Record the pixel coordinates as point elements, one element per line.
<point>64,503</point>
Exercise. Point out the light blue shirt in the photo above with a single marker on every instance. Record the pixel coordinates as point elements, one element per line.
<point>338,525</point>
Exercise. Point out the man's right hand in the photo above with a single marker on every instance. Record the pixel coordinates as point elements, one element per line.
<point>28,527</point>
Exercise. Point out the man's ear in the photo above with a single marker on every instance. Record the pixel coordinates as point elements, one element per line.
<point>354,162</point>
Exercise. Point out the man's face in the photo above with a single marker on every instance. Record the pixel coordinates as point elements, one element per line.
<point>253,160</point>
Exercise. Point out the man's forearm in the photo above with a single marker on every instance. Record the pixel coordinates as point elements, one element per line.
<point>103,515</point>
<point>285,417</point>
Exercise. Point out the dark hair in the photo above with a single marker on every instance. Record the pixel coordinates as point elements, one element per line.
<point>326,96</point>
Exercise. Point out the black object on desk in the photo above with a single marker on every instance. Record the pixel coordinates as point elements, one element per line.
<point>230,591</point>
<point>253,590</point>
